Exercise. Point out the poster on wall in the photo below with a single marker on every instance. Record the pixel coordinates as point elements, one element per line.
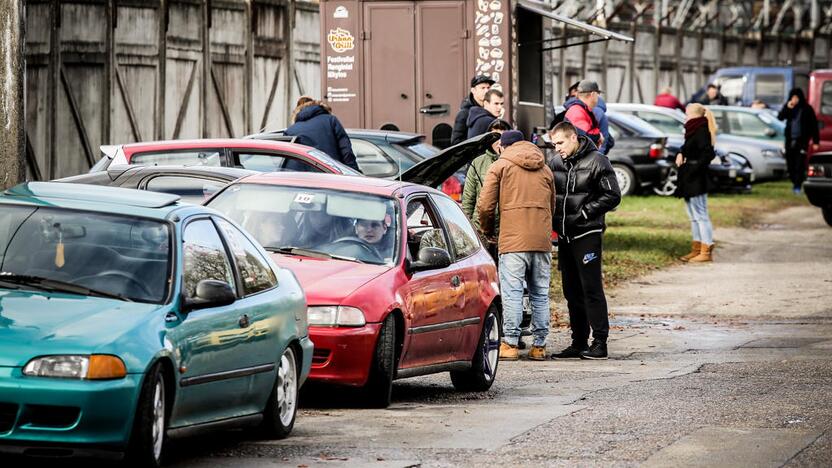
<point>340,59</point>
<point>490,25</point>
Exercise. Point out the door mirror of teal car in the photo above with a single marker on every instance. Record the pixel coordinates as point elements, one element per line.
<point>209,293</point>
<point>430,258</point>
<point>770,132</point>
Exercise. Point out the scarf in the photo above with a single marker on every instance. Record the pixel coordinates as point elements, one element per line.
<point>692,125</point>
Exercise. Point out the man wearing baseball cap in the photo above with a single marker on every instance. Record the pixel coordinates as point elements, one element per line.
<point>522,185</point>
<point>480,85</point>
<point>579,111</point>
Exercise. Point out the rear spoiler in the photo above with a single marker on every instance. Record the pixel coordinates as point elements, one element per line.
<point>272,136</point>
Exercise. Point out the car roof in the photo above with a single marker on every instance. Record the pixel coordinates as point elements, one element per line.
<point>248,143</point>
<point>361,184</point>
<point>633,123</point>
<point>230,173</point>
<point>386,134</point>
<point>738,109</point>
<point>93,198</point>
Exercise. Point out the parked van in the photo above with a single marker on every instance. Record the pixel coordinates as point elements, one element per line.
<point>742,85</point>
<point>820,98</point>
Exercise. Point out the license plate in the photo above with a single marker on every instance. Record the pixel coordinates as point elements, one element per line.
<point>732,173</point>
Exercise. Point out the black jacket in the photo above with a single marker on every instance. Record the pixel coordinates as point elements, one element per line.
<point>808,119</point>
<point>693,174</point>
<point>460,132</point>
<point>319,129</point>
<point>478,121</point>
<point>585,189</point>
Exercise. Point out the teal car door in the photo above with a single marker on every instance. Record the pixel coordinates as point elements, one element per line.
<point>260,305</point>
<point>208,342</point>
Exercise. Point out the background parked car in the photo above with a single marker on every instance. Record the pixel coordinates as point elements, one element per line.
<point>177,324</point>
<point>818,184</point>
<point>766,159</point>
<point>742,85</point>
<point>820,98</point>
<point>194,184</point>
<point>761,124</point>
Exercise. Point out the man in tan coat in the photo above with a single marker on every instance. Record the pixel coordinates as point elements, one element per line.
<point>522,185</point>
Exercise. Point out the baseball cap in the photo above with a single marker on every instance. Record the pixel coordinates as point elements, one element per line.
<point>587,86</point>
<point>479,79</point>
<point>510,137</point>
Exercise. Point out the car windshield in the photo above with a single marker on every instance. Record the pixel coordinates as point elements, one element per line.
<point>310,221</point>
<point>329,160</point>
<point>423,149</point>
<point>84,253</point>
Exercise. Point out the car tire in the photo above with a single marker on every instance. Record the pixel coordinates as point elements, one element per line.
<point>626,179</point>
<point>379,387</point>
<point>667,187</point>
<point>827,214</point>
<point>282,407</point>
<point>148,439</point>
<point>483,371</point>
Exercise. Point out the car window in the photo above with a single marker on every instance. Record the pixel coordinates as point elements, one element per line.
<point>770,89</point>
<point>337,166</point>
<point>423,228</point>
<point>462,234</point>
<point>731,87</point>
<point>184,158</point>
<point>423,149</point>
<point>372,161</point>
<point>254,270</point>
<point>268,162</point>
<point>747,124</point>
<point>721,122</point>
<point>192,189</point>
<point>204,257</point>
<point>664,123</point>
<point>826,98</point>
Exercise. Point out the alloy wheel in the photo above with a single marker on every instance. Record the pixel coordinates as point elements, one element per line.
<point>287,390</point>
<point>158,426</point>
<point>491,347</point>
<point>668,185</point>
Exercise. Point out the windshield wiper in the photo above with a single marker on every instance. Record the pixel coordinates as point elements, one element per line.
<point>311,253</point>
<point>48,284</point>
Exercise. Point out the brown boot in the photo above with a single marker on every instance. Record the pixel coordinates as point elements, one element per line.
<point>704,254</point>
<point>695,248</point>
<point>508,352</point>
<point>537,353</point>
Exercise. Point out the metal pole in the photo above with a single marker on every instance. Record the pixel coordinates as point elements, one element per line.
<point>12,93</point>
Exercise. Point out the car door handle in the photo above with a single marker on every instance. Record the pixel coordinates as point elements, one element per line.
<point>244,321</point>
<point>455,281</point>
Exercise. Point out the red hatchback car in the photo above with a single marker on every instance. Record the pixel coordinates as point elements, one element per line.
<point>396,279</point>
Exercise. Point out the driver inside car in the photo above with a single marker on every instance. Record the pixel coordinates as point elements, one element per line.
<point>370,231</point>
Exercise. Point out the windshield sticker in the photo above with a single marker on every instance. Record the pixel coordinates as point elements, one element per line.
<point>304,198</point>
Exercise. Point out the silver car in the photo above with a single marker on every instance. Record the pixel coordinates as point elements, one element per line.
<point>765,158</point>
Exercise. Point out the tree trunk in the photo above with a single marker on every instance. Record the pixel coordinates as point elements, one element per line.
<point>12,67</point>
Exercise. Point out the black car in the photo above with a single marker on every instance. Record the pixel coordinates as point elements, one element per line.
<point>728,172</point>
<point>193,183</point>
<point>818,184</point>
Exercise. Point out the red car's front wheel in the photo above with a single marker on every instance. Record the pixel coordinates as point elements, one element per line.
<point>379,387</point>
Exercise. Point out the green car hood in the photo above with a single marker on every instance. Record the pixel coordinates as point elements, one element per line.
<point>36,324</point>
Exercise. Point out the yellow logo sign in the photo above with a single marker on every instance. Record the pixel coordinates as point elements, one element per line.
<point>341,40</point>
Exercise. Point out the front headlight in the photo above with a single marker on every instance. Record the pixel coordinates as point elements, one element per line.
<point>335,316</point>
<point>769,153</point>
<point>93,367</point>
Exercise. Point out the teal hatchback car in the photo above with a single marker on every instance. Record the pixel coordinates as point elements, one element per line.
<point>127,318</point>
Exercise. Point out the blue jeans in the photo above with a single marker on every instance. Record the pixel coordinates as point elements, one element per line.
<point>700,222</point>
<point>516,270</point>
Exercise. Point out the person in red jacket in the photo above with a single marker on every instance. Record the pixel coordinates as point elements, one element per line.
<point>666,98</point>
<point>579,111</point>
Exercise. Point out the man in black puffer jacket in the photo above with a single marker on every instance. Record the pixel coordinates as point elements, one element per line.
<point>586,189</point>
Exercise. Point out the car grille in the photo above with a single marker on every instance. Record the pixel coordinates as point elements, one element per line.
<point>8,413</point>
<point>320,357</point>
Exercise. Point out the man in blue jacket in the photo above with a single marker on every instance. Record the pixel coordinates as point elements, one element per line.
<point>600,111</point>
<point>316,127</point>
<point>480,118</point>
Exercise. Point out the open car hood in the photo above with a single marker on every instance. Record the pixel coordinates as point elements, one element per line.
<point>433,171</point>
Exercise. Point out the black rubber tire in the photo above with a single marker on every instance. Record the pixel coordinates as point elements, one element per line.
<point>379,387</point>
<point>140,451</point>
<point>626,189</point>
<point>272,427</point>
<point>480,377</point>
<point>827,214</point>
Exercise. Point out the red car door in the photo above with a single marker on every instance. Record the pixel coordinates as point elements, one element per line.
<point>820,98</point>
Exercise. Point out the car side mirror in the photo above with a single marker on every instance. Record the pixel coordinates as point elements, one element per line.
<point>770,132</point>
<point>431,258</point>
<point>210,293</point>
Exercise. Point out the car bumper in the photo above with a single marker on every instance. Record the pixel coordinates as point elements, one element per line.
<point>343,355</point>
<point>653,173</point>
<point>307,350</point>
<point>819,191</point>
<point>90,418</point>
<point>731,178</point>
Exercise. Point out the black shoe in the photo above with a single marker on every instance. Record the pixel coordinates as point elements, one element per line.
<point>573,351</point>
<point>598,350</point>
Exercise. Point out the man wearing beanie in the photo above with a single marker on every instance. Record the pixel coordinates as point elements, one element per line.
<point>522,185</point>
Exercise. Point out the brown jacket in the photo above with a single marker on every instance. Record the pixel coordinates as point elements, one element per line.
<point>523,185</point>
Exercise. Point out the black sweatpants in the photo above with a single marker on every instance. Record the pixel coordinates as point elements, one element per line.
<point>579,263</point>
<point>796,160</point>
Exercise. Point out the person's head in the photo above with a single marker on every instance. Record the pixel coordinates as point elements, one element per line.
<point>696,110</point>
<point>480,85</point>
<point>498,126</point>
<point>713,91</point>
<point>588,93</point>
<point>493,102</point>
<point>796,96</point>
<point>303,102</point>
<point>573,90</point>
<point>370,231</point>
<point>510,137</point>
<point>666,90</point>
<point>564,137</point>
<point>758,104</point>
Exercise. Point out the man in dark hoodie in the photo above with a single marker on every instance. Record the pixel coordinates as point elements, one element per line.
<point>801,126</point>
<point>480,84</point>
<point>316,127</point>
<point>586,190</point>
<point>521,183</point>
<point>480,118</point>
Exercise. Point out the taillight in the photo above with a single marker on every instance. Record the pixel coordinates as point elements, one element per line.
<point>816,170</point>
<point>656,150</point>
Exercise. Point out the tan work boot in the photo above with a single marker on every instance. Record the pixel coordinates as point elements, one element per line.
<point>695,248</point>
<point>704,254</point>
<point>508,352</point>
<point>537,353</point>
